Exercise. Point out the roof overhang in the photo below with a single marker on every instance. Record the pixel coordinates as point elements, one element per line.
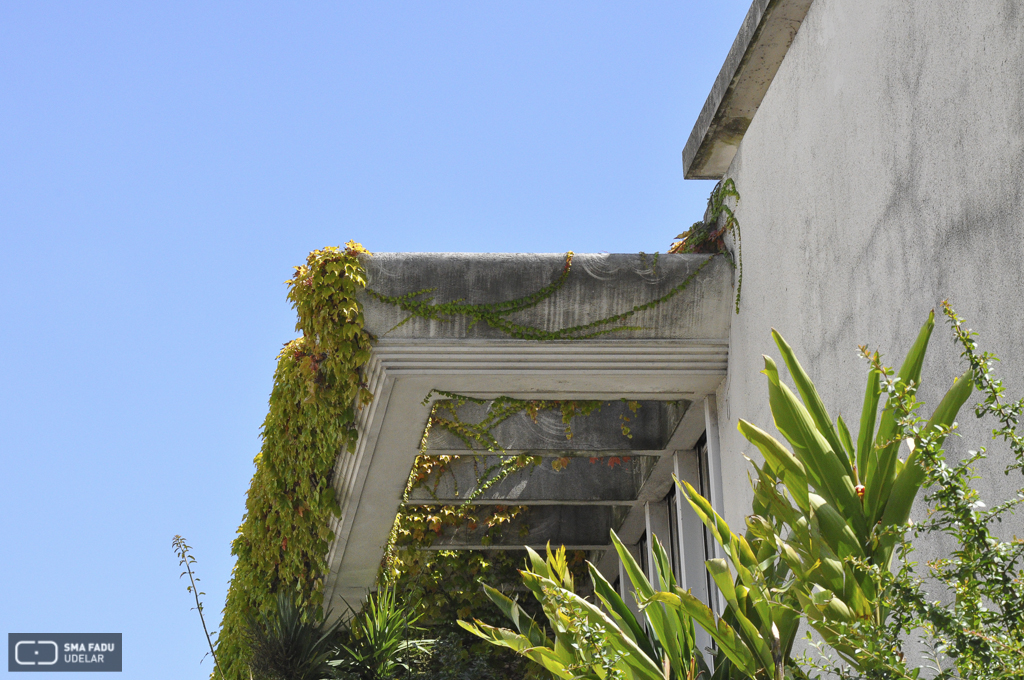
<point>755,57</point>
<point>677,355</point>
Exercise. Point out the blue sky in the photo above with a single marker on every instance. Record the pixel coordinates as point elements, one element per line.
<point>163,166</point>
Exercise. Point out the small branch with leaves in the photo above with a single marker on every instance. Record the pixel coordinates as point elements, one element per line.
<point>706,236</point>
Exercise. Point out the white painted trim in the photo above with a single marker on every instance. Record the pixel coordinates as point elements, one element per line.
<point>714,454</point>
<point>677,472</point>
<point>714,460</point>
<point>524,357</point>
<point>656,517</point>
<point>691,561</point>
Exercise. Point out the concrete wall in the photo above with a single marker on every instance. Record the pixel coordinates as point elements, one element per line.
<point>883,173</point>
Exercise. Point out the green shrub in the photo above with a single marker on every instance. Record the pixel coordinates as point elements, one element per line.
<point>587,642</point>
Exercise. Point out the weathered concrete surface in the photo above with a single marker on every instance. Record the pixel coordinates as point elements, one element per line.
<point>678,355</point>
<point>649,428</point>
<point>601,481</point>
<point>883,173</point>
<point>598,286</point>
<point>756,54</point>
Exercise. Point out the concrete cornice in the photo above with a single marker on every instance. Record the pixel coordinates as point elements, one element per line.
<point>518,357</point>
<point>755,57</point>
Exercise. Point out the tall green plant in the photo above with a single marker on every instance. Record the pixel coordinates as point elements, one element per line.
<point>756,631</point>
<point>187,560</point>
<point>292,642</point>
<point>817,546</point>
<point>673,642</point>
<point>977,631</point>
<point>380,639</point>
<point>844,505</point>
<point>588,642</point>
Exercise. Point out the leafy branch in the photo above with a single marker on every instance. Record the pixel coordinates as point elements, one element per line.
<point>978,632</point>
<point>707,236</point>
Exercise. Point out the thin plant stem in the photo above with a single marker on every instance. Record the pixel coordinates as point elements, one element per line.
<point>182,549</point>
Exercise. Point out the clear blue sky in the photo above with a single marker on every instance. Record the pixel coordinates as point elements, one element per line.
<point>164,165</point>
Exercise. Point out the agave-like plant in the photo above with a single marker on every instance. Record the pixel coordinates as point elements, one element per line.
<point>377,642</point>
<point>291,642</point>
<point>588,642</point>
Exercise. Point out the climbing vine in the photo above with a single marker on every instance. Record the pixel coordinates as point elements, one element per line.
<point>285,534</point>
<point>495,315</point>
<point>444,581</point>
<point>707,236</point>
<point>479,436</point>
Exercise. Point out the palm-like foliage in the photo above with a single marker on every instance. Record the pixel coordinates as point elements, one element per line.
<point>846,505</point>
<point>816,546</point>
<point>377,642</point>
<point>755,634</point>
<point>588,642</point>
<point>843,510</point>
<point>291,643</point>
<point>673,641</point>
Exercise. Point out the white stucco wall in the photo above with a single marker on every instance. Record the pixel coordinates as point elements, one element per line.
<point>883,173</point>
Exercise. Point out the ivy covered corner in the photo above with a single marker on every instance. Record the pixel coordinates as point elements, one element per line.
<point>439,413</point>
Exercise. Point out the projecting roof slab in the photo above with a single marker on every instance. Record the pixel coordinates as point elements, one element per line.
<point>674,355</point>
<point>599,286</point>
<point>755,57</point>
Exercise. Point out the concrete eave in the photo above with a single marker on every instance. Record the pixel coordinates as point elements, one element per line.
<point>675,352</point>
<point>755,57</point>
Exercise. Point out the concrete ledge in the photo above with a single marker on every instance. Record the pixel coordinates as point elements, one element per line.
<point>755,57</point>
<point>598,286</point>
